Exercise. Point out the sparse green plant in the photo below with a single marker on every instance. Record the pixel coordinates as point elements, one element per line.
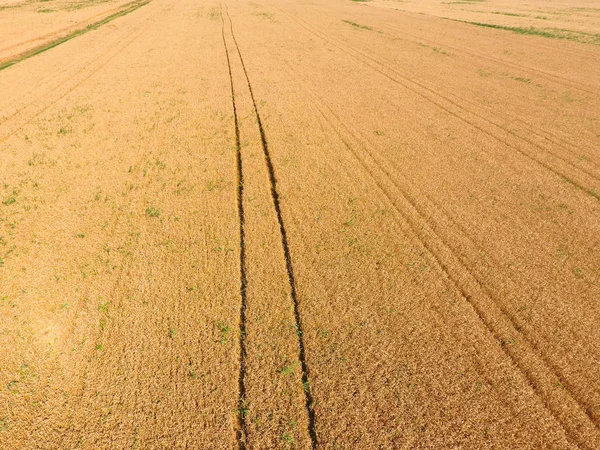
<point>216,185</point>
<point>553,33</point>
<point>243,409</point>
<point>522,79</point>
<point>440,51</point>
<point>357,25</point>
<point>152,212</point>
<point>509,14</point>
<point>288,368</point>
<point>297,329</point>
<point>288,438</point>
<point>214,13</point>
<point>224,330</point>
<point>322,333</point>
<point>265,15</point>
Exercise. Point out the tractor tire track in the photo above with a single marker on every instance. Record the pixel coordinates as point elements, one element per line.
<point>428,89</point>
<point>556,141</point>
<point>241,432</point>
<point>41,88</point>
<point>431,90</point>
<point>590,89</point>
<point>409,190</point>
<point>309,401</point>
<point>472,291</point>
<point>444,262</point>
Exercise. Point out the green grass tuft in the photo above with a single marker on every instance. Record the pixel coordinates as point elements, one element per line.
<point>152,212</point>
<point>357,25</point>
<point>552,33</point>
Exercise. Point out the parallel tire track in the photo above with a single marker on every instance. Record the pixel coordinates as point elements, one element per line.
<point>448,265</point>
<point>541,42</point>
<point>286,251</point>
<point>43,87</point>
<point>241,430</point>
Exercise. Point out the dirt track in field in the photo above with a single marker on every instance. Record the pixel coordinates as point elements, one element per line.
<point>300,225</point>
